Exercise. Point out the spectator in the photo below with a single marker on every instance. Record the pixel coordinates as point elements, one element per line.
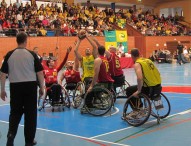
<point>179,52</point>
<point>120,49</point>
<point>57,26</point>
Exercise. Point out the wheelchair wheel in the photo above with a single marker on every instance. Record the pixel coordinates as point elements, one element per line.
<point>137,110</point>
<point>114,96</point>
<point>163,112</point>
<point>78,95</point>
<point>66,98</point>
<point>69,92</point>
<point>98,102</point>
<point>121,90</point>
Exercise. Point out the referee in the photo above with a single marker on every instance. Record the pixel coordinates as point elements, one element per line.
<point>23,68</point>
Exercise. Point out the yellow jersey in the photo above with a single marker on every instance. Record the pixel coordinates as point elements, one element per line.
<point>88,66</point>
<point>151,75</point>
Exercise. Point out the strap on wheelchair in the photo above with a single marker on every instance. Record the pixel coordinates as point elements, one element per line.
<point>155,92</point>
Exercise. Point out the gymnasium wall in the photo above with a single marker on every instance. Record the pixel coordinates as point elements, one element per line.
<point>48,44</point>
<point>151,42</point>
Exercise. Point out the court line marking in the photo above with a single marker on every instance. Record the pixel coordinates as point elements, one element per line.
<point>176,93</point>
<point>92,138</point>
<point>155,129</point>
<point>117,110</point>
<point>179,84</point>
<point>4,104</point>
<point>81,137</point>
<point>181,113</point>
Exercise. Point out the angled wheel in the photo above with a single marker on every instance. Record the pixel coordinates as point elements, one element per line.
<point>66,98</point>
<point>98,102</point>
<point>114,96</point>
<point>78,95</point>
<point>162,112</point>
<point>137,110</point>
<point>69,91</point>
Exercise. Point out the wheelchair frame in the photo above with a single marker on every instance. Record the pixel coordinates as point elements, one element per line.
<point>76,94</point>
<point>62,101</point>
<point>102,101</point>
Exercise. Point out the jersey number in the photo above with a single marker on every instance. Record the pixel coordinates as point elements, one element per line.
<point>117,63</point>
<point>106,65</point>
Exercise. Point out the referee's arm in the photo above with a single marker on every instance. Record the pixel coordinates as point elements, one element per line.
<point>39,71</point>
<point>4,72</point>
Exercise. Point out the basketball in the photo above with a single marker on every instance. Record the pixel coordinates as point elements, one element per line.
<point>82,34</point>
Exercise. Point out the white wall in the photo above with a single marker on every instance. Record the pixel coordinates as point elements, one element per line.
<point>170,11</point>
<point>38,2</point>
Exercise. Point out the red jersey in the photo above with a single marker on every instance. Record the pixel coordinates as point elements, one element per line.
<point>51,74</point>
<point>104,75</point>
<point>114,65</point>
<point>72,76</point>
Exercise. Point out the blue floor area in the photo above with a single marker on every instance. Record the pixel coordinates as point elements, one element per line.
<point>72,122</point>
<point>71,128</point>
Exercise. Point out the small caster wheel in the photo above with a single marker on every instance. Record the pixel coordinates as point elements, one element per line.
<point>122,118</point>
<point>40,108</point>
<point>158,120</point>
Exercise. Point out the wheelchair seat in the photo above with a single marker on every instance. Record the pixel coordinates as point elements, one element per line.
<point>119,81</point>
<point>55,93</point>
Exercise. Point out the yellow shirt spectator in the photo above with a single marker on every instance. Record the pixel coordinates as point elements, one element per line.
<point>87,12</point>
<point>168,32</point>
<point>43,31</point>
<point>40,11</point>
<point>158,28</point>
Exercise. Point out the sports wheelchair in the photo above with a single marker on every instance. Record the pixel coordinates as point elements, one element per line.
<point>99,100</point>
<point>74,91</point>
<point>137,110</point>
<point>55,96</point>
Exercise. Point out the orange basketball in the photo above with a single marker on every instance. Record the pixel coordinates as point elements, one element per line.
<point>82,32</point>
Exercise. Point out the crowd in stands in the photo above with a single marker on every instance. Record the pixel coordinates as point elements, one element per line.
<point>36,21</point>
<point>154,25</point>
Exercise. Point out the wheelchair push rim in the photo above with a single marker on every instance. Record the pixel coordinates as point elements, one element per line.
<point>138,112</point>
<point>102,101</point>
<point>78,93</point>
